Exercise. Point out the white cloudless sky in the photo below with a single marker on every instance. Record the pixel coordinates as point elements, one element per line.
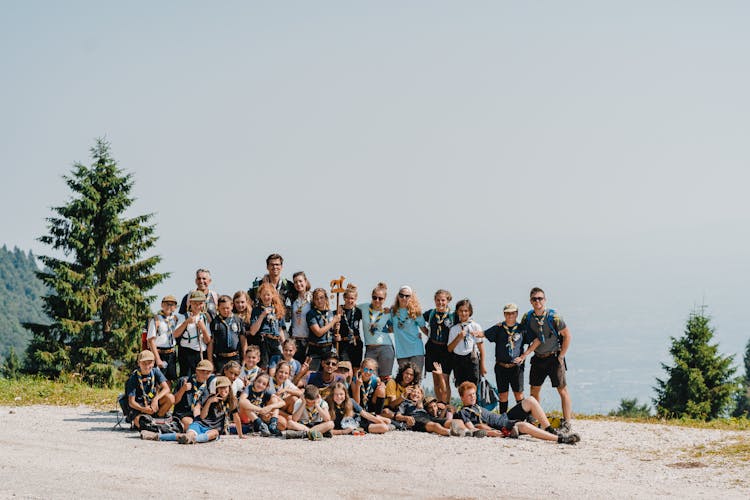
<point>598,149</point>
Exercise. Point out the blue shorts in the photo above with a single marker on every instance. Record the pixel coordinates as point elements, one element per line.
<point>198,428</point>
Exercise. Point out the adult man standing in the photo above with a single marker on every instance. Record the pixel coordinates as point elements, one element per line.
<point>549,357</point>
<point>274,265</point>
<point>202,283</point>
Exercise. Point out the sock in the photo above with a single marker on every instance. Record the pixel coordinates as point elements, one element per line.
<point>170,436</point>
<point>201,438</point>
<point>551,430</point>
<point>503,406</point>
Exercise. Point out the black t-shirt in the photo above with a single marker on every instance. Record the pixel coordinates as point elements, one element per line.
<point>286,292</point>
<point>271,324</point>
<point>320,318</point>
<point>351,321</point>
<point>509,341</point>
<point>439,324</point>
<point>185,405</point>
<point>218,415</point>
<point>144,387</point>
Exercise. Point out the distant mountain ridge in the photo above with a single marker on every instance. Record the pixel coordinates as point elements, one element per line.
<point>20,298</point>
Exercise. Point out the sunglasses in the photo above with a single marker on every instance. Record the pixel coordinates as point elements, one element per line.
<point>375,297</point>
<point>368,370</point>
<point>402,296</point>
<point>331,363</point>
<point>537,299</point>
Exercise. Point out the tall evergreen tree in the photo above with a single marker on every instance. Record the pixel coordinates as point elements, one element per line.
<point>99,296</point>
<point>742,407</point>
<point>700,383</point>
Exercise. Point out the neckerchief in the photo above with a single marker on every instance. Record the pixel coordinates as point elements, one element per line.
<point>312,414</point>
<point>374,320</point>
<point>147,396</point>
<point>351,323</point>
<point>171,322</point>
<point>475,410</point>
<point>540,322</point>
<point>511,332</point>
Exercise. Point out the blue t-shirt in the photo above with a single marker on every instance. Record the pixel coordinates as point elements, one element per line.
<point>271,324</point>
<point>144,387</point>
<point>375,325</point>
<point>295,365</point>
<point>406,334</point>
<point>257,398</point>
<point>321,319</point>
<point>316,379</point>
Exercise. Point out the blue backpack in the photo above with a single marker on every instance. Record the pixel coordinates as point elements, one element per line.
<point>550,322</point>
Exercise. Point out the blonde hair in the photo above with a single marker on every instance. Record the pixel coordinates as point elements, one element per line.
<point>245,316</point>
<point>413,308</point>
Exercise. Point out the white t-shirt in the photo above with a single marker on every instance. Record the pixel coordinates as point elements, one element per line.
<point>237,386</point>
<point>465,347</point>
<point>166,326</point>
<point>307,417</point>
<point>192,338</point>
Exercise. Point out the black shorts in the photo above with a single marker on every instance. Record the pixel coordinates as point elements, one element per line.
<point>512,377</point>
<point>351,352</point>
<point>440,354</point>
<point>465,369</point>
<point>171,371</point>
<point>541,368</point>
<point>421,421</point>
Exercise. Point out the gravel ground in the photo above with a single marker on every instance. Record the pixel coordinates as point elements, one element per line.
<point>67,452</point>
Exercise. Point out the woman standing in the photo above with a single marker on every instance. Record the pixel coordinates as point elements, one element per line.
<point>465,342</point>
<point>406,318</point>
<point>376,322</point>
<point>300,307</point>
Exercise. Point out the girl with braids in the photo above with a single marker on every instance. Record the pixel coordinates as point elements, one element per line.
<point>438,322</point>
<point>348,416</point>
<point>406,319</point>
<point>376,323</point>
<point>267,321</point>
<point>214,413</point>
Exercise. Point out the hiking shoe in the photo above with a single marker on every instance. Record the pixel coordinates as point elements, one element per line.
<point>274,430</point>
<point>530,419</point>
<point>295,434</point>
<point>456,429</point>
<point>150,436</point>
<point>571,438</point>
<point>391,427</point>
<point>565,427</point>
<point>264,431</point>
<point>552,430</point>
<point>314,435</point>
<point>328,434</point>
<point>479,433</point>
<point>514,432</point>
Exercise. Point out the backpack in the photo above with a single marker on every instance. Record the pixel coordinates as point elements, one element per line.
<point>550,323</point>
<point>487,395</point>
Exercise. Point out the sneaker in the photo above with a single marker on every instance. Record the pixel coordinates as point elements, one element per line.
<point>571,438</point>
<point>328,434</point>
<point>314,435</point>
<point>295,434</point>
<point>391,427</point>
<point>185,438</point>
<point>552,430</point>
<point>274,430</point>
<point>479,433</point>
<point>456,429</point>
<point>150,436</point>
<point>514,432</point>
<point>264,431</point>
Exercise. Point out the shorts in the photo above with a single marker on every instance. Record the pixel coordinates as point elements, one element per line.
<point>421,421</point>
<point>351,352</point>
<point>318,354</point>
<point>541,368</point>
<point>512,377</point>
<point>437,353</point>
<point>170,372</point>
<point>465,369</point>
<point>384,355</point>
<point>301,353</point>
<point>198,428</point>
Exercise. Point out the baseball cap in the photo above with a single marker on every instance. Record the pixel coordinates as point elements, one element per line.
<point>345,364</point>
<point>430,399</point>
<point>510,308</point>
<point>169,298</point>
<point>197,296</point>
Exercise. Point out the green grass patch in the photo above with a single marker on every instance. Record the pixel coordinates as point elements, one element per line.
<point>30,390</point>
<point>726,424</point>
<point>738,450</point>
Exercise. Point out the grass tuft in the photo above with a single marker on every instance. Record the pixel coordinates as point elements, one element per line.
<point>31,390</point>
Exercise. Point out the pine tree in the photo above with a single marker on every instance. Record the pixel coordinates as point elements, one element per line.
<point>742,401</point>
<point>98,298</point>
<point>700,383</point>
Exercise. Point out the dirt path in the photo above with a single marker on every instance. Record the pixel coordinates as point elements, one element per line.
<point>53,452</point>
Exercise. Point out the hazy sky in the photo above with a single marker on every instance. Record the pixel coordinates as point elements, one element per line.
<point>597,149</point>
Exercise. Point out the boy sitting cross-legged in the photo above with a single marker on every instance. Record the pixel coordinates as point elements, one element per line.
<point>311,417</point>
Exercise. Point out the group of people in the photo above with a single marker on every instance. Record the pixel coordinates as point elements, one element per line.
<point>278,360</point>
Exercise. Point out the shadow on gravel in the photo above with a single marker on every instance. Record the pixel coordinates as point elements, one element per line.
<point>112,419</point>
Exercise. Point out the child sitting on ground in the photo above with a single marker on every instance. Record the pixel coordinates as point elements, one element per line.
<point>367,389</point>
<point>412,413</point>
<point>509,424</point>
<point>190,390</point>
<point>348,416</point>
<point>288,350</point>
<point>260,407</point>
<point>147,391</point>
<point>285,389</point>
<point>311,417</point>
<point>216,410</point>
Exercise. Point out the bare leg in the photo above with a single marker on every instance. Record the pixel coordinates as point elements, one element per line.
<point>165,404</point>
<point>567,405</point>
<point>531,405</point>
<point>323,426</point>
<point>436,428</point>
<point>534,431</point>
<point>518,396</point>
